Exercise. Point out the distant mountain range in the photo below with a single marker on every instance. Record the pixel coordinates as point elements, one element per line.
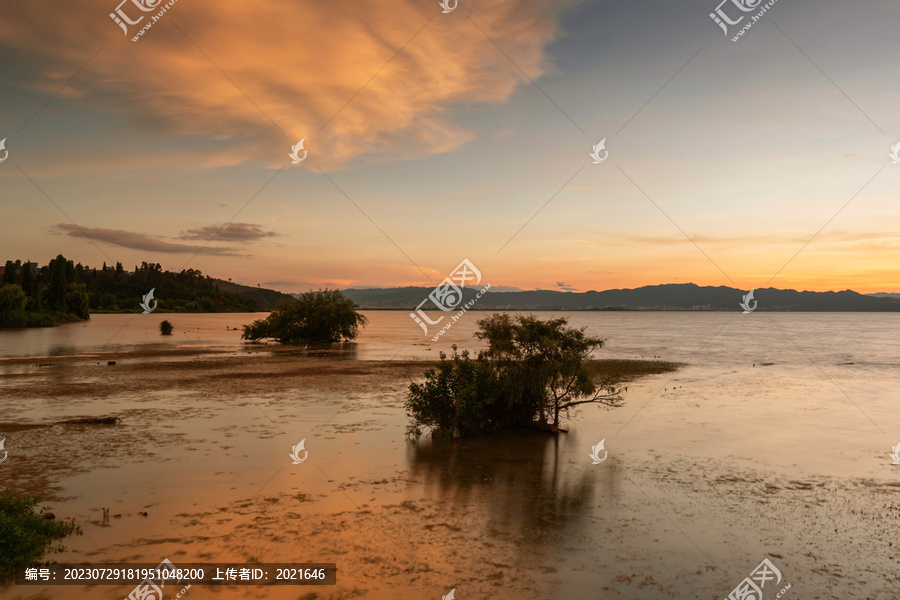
<point>673,296</point>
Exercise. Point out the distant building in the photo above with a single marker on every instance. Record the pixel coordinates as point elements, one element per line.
<point>701,307</point>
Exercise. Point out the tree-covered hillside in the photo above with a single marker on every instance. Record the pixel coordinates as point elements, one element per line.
<point>33,296</point>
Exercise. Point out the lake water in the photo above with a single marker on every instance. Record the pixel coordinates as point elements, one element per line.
<point>772,440</point>
<point>719,340</point>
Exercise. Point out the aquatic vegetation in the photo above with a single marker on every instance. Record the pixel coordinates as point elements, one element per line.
<point>317,317</point>
<point>532,373</point>
<point>25,535</point>
<point>165,328</point>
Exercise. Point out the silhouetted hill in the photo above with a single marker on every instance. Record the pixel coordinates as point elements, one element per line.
<point>263,299</point>
<point>62,291</point>
<point>673,296</point>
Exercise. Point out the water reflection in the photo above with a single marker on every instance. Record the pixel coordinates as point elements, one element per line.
<point>336,351</point>
<point>530,482</point>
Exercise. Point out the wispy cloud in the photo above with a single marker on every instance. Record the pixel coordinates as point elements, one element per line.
<point>229,232</point>
<point>565,286</point>
<point>889,239</point>
<point>139,241</point>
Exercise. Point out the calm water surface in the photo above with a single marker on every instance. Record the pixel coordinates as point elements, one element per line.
<point>867,340</point>
<point>704,466</point>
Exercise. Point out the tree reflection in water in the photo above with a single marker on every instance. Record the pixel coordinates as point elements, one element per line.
<point>532,483</point>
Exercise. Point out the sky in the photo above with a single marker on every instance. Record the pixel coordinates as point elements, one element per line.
<point>433,137</point>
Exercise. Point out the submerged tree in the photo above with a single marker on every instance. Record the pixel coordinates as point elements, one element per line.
<point>315,317</point>
<point>533,373</point>
<point>549,358</point>
<point>460,398</point>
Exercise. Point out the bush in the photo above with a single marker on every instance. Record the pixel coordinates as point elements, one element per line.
<point>315,317</point>
<point>24,535</point>
<point>548,358</point>
<point>532,371</point>
<point>165,328</point>
<point>36,319</point>
<point>12,305</point>
<point>77,301</point>
<point>462,397</point>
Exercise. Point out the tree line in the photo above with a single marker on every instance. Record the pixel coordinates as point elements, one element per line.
<point>62,291</point>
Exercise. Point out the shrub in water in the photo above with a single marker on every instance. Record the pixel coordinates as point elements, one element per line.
<point>317,317</point>
<point>24,535</point>
<point>533,372</point>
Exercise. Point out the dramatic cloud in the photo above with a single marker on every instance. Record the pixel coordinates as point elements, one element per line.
<point>139,241</point>
<point>266,76</point>
<point>230,232</point>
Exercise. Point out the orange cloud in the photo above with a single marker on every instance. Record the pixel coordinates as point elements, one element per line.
<point>265,74</point>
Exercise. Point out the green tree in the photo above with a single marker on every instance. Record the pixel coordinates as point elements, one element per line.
<point>533,373</point>
<point>55,295</point>
<point>316,317</point>
<point>460,398</point>
<point>10,270</point>
<point>549,358</point>
<point>12,305</point>
<point>29,285</point>
<point>77,301</point>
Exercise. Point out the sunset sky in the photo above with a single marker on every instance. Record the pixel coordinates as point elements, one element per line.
<point>436,137</point>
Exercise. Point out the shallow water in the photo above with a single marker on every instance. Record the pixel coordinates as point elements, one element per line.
<point>710,469</point>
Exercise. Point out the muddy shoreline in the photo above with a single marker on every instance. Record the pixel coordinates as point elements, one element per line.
<point>199,471</point>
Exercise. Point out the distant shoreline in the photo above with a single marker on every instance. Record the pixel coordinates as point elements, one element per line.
<point>689,310</point>
<point>666,297</point>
